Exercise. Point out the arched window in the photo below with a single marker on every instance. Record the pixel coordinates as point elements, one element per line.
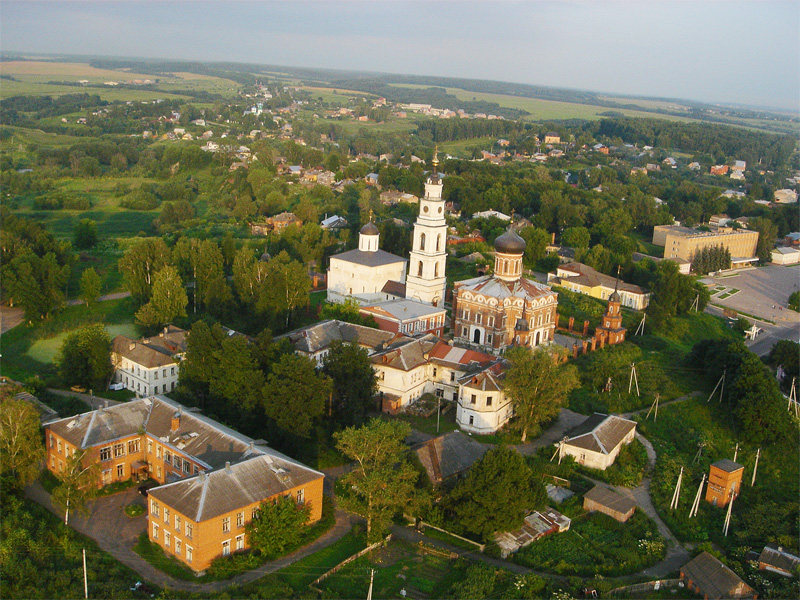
<point>419,269</point>
<point>422,241</point>
<point>436,269</point>
<point>438,241</point>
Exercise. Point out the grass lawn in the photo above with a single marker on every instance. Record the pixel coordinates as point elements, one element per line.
<point>28,350</point>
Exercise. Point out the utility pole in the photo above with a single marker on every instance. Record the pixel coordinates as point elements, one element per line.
<point>677,493</point>
<point>438,411</point>
<point>728,514</point>
<point>633,379</point>
<point>640,328</point>
<point>85,581</point>
<point>755,467</point>
<point>653,406</point>
<point>696,503</point>
<point>371,579</point>
<point>736,452</point>
<point>721,381</point>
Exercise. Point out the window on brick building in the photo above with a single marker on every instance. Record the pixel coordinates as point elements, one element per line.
<point>226,525</point>
<point>105,453</point>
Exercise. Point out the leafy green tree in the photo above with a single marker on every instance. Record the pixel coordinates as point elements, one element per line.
<point>576,237</point>
<point>35,283</point>
<point>211,288</point>
<point>198,365</point>
<point>538,383</point>
<point>78,485</point>
<point>288,285</point>
<point>295,394</point>
<point>536,242</point>
<point>786,354</point>
<point>249,277</point>
<point>278,526</point>
<point>167,302</point>
<point>140,264</point>
<point>85,357</point>
<point>767,233</point>
<point>496,494</point>
<point>235,374</point>
<point>21,449</point>
<point>354,381</point>
<point>90,286</point>
<point>85,236</point>
<point>381,484</point>
<point>794,301</point>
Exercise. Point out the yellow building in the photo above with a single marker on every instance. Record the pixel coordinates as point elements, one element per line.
<point>685,242</point>
<point>582,279</point>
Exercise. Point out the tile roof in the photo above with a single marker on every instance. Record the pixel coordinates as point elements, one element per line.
<point>369,259</point>
<point>600,433</point>
<point>610,499</point>
<point>714,579</point>
<point>209,495</point>
<point>445,354</point>
<point>395,288</point>
<point>449,454</point>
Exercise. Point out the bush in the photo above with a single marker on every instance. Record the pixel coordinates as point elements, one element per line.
<point>134,510</point>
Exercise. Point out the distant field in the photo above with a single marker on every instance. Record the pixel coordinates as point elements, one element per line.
<point>23,136</point>
<point>655,104</point>
<point>26,88</point>
<point>461,148</point>
<point>65,69</point>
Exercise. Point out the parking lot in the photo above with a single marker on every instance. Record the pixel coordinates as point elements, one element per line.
<point>761,292</point>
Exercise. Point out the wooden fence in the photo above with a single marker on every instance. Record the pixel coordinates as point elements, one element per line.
<point>423,525</point>
<point>347,561</point>
<point>634,591</point>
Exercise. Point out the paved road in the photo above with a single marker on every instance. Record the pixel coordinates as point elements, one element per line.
<point>114,296</point>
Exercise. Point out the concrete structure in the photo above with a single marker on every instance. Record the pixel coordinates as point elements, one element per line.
<point>597,441</point>
<point>724,482</point>
<point>583,279</point>
<point>609,502</point>
<point>212,477</point>
<point>503,309</point>
<point>708,577</point>
<point>786,196</point>
<point>407,316</point>
<point>362,273</point>
<point>149,366</point>
<point>685,242</point>
<point>786,256</point>
<point>426,279</point>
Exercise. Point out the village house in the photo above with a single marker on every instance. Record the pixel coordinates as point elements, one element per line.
<point>707,576</point>
<point>392,197</point>
<point>597,441</point>
<point>148,366</point>
<point>720,170</point>
<point>275,224</point>
<point>483,406</point>
<point>333,222</point>
<point>212,478</point>
<point>402,370</point>
<point>552,138</point>
<point>785,196</point>
<point>447,456</point>
<point>583,279</point>
<point>609,502</point>
<point>315,341</point>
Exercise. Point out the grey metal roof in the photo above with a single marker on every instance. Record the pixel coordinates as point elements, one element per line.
<point>369,259</point>
<point>600,433</point>
<point>727,465</point>
<point>778,558</point>
<point>610,499</point>
<point>406,355</point>
<point>209,495</point>
<point>321,335</point>
<point>403,309</point>
<point>492,287</point>
<point>141,353</point>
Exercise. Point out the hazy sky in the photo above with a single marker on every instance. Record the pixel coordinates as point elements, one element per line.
<point>711,50</point>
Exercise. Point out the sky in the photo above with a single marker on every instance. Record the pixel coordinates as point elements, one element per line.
<point>727,51</point>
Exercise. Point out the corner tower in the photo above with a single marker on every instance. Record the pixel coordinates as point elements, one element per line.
<point>426,280</point>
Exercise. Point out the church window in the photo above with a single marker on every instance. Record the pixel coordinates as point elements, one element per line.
<point>438,240</point>
<point>436,269</point>
<point>422,241</point>
<point>490,321</point>
<point>478,318</point>
<point>419,269</point>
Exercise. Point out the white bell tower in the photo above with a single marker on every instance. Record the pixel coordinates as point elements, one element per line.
<point>426,280</point>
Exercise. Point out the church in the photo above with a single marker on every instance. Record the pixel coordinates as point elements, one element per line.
<point>495,311</point>
<point>370,275</point>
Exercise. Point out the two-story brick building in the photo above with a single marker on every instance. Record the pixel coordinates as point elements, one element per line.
<point>212,477</point>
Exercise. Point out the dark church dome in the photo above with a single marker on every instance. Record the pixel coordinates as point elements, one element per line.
<point>370,229</point>
<point>510,243</point>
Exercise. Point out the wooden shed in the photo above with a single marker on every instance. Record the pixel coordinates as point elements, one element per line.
<point>609,502</point>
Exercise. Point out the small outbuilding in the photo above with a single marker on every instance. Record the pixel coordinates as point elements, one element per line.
<point>776,560</point>
<point>707,576</point>
<point>597,441</point>
<point>537,525</point>
<point>449,455</point>
<point>724,482</point>
<point>609,502</point>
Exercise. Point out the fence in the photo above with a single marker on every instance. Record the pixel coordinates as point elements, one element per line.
<point>634,591</point>
<point>480,547</point>
<point>347,561</point>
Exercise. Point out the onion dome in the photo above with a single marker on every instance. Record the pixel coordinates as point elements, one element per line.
<point>614,297</point>
<point>369,229</point>
<point>522,325</point>
<point>510,243</point>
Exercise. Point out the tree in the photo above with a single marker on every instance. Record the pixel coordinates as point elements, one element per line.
<point>78,485</point>
<point>497,493</point>
<point>211,288</point>
<point>235,374</point>
<point>21,450</point>
<point>382,481</point>
<point>767,232</point>
<point>140,264</point>
<point>536,242</point>
<point>35,283</point>
<point>90,286</point>
<point>84,236</point>
<point>295,394</point>
<point>288,285</point>
<point>85,357</point>
<point>538,384</point>
<point>576,237</point>
<point>786,354</point>
<point>354,381</point>
<point>278,526</point>
<point>168,300</point>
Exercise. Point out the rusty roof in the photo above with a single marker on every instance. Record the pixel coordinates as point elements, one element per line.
<point>449,454</point>
<point>714,579</point>
<point>610,499</point>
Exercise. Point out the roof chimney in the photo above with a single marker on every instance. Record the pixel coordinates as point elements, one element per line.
<point>228,467</point>
<point>105,404</point>
<point>132,346</point>
<point>176,422</point>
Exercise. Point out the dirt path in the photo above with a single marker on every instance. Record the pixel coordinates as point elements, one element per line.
<point>11,317</point>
